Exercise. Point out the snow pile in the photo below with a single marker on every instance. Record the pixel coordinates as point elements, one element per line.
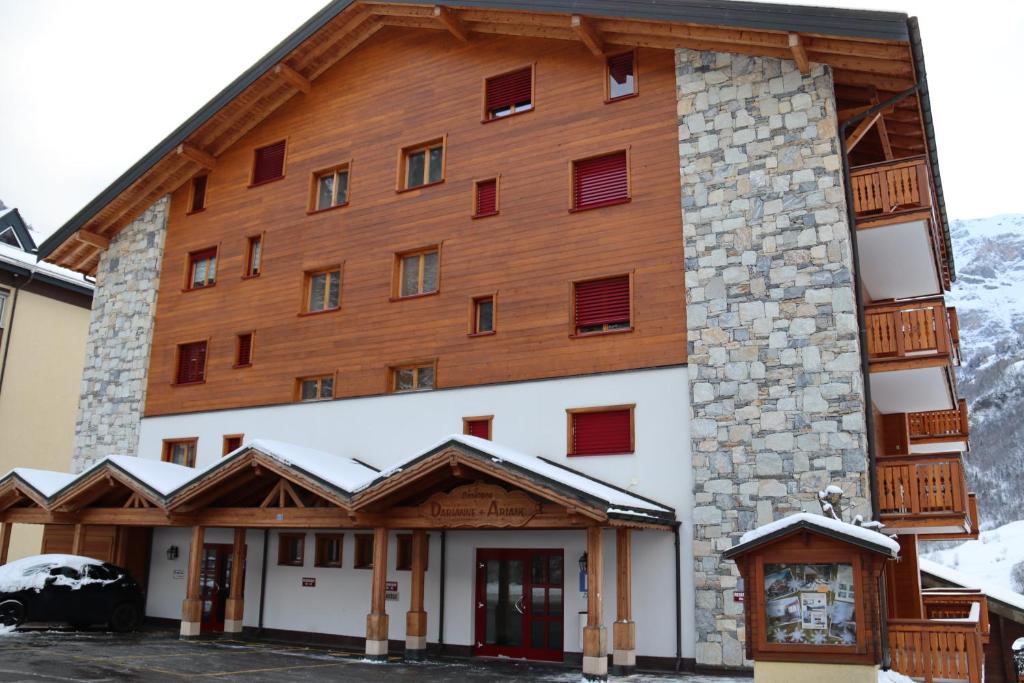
<point>827,524</point>
<point>985,563</point>
<point>30,573</point>
<point>1018,645</point>
<point>4,630</point>
<point>893,677</point>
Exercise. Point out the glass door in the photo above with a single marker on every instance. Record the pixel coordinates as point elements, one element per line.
<point>519,603</point>
<point>215,585</point>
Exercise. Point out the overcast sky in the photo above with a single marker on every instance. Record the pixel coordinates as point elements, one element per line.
<point>87,88</point>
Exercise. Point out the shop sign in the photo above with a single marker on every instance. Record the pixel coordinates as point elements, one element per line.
<point>390,590</point>
<point>480,505</point>
<point>309,582</point>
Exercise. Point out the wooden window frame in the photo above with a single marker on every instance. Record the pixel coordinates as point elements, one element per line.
<point>497,197</point>
<point>252,165</point>
<point>608,99</point>
<point>486,115</point>
<point>474,315</point>
<point>319,387</point>
<point>314,187</point>
<point>489,419</point>
<point>573,328</point>
<point>247,273</point>
<point>403,553</point>
<point>396,274</point>
<point>238,346</point>
<point>319,551</point>
<point>192,194</point>
<point>402,176</point>
<point>629,180</point>
<point>393,376</point>
<point>362,555</point>
<point>282,560</point>
<point>224,442</point>
<point>570,412</point>
<point>190,267</point>
<point>168,444</point>
<point>177,362</point>
<point>307,283</point>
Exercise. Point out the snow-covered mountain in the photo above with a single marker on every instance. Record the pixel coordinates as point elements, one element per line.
<point>989,298</point>
<point>988,562</point>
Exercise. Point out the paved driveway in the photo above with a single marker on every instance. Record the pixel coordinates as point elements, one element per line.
<point>92,657</point>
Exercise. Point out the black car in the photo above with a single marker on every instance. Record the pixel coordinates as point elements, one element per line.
<point>69,589</point>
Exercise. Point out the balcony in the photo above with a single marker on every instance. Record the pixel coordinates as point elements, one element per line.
<point>972,535</point>
<point>912,347</point>
<point>899,232</point>
<point>956,603</point>
<point>924,494</point>
<point>939,430</point>
<point>947,648</point>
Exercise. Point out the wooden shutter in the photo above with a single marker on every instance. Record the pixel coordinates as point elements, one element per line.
<point>244,349</point>
<point>198,193</point>
<point>479,428</point>
<point>600,181</point>
<point>269,163</point>
<point>191,362</point>
<point>602,433</point>
<point>509,90</point>
<point>602,302</point>
<point>487,197</point>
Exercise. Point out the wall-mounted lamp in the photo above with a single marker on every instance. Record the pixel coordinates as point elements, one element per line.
<point>583,563</point>
<point>172,553</point>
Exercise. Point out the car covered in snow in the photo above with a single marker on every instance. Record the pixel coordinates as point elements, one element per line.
<point>69,589</point>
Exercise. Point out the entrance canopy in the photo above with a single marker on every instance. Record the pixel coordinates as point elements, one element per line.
<point>460,482</point>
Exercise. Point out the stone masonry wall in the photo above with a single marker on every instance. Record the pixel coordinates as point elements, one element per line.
<point>120,335</point>
<point>778,401</point>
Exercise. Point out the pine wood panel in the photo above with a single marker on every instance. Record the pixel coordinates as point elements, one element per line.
<point>400,88</point>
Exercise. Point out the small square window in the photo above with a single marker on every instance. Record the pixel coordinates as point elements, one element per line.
<point>316,388</point>
<point>477,426</point>
<point>180,452</point>
<point>202,268</point>
<point>602,305</point>
<point>364,551</point>
<point>198,201</point>
<point>232,442</point>
<point>412,378</point>
<point>243,350</point>
<point>323,290</point>
<point>291,549</point>
<point>485,198</point>
<point>268,163</point>
<point>482,321</point>
<point>253,256</point>
<point>191,363</point>
<point>508,94</point>
<point>621,75</point>
<point>330,188</point>
<point>403,555</point>
<point>328,550</point>
<point>418,272</point>
<point>600,181</point>
<point>601,431</point>
<point>422,164</point>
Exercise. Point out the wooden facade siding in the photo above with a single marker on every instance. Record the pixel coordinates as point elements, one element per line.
<point>529,254</point>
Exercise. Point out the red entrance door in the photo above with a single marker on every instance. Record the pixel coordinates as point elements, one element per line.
<point>215,584</point>
<point>519,606</point>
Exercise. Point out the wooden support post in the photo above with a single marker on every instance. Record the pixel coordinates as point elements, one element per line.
<point>595,641</point>
<point>96,240</point>
<point>5,541</point>
<point>587,33</point>
<point>451,22</point>
<point>234,609</point>
<point>861,130</point>
<point>416,618</point>
<point>624,629</point>
<point>293,77</point>
<point>796,47</point>
<point>193,153</point>
<point>78,540</point>
<point>377,619</point>
<point>192,605</point>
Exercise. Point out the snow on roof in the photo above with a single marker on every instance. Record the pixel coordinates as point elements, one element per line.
<point>11,254</point>
<point>339,471</point>
<point>44,481</point>
<point>30,573</point>
<point>826,524</point>
<point>989,588</point>
<point>162,477</point>
<point>615,498</point>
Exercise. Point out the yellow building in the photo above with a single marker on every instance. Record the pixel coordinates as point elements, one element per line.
<point>44,319</point>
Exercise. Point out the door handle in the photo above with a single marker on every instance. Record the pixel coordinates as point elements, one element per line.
<point>479,605</point>
<point>520,606</point>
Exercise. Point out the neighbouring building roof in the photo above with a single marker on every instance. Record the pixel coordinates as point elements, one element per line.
<point>833,528</point>
<point>24,263</point>
<point>992,590</point>
<point>13,229</point>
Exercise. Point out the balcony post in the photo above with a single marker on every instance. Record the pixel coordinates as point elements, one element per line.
<point>192,606</point>
<point>595,642</point>
<point>234,609</point>
<point>416,618</point>
<point>624,629</point>
<point>5,541</point>
<point>377,619</point>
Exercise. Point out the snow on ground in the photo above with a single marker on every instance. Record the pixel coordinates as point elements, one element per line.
<point>893,677</point>
<point>4,630</point>
<point>989,560</point>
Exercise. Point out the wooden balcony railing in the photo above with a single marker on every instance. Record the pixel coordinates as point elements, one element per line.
<point>932,650</point>
<point>925,328</point>
<point>922,486</point>
<point>956,603</point>
<point>890,187</point>
<point>973,534</point>
<point>940,425</point>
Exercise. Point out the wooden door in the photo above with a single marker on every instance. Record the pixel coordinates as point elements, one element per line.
<point>214,585</point>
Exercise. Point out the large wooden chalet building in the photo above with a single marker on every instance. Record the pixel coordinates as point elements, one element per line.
<point>487,327</point>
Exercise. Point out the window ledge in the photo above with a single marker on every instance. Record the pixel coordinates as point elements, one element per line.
<point>601,205</point>
<point>199,289</point>
<point>188,384</point>
<point>327,566</point>
<point>484,215</point>
<point>250,277</point>
<point>306,314</point>
<point>621,97</point>
<point>265,182</point>
<point>313,212</point>
<point>415,296</point>
<point>491,333</point>
<point>193,212</point>
<point>598,455</point>
<point>403,190</point>
<point>411,391</point>
<point>584,335</point>
<point>239,367</point>
<point>514,114</point>
<point>314,400</point>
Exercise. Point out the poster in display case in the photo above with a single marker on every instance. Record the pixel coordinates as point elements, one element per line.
<point>810,604</point>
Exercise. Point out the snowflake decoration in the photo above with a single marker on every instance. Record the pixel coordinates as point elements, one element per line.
<point>849,638</point>
<point>794,584</point>
<point>779,636</point>
<point>818,638</point>
<point>797,636</point>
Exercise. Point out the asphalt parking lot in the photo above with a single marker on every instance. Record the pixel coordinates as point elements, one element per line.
<point>96,656</point>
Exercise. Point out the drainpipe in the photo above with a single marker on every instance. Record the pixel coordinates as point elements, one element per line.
<point>263,581</point>
<point>10,328</point>
<point>869,417</point>
<point>679,609</point>
<point>440,609</point>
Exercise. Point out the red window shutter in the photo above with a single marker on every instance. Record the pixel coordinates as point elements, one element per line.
<point>602,302</point>
<point>198,193</point>
<point>602,433</point>
<point>191,362</point>
<point>269,163</point>
<point>487,198</point>
<point>244,349</point>
<point>600,181</point>
<point>620,67</point>
<point>510,89</point>
<point>232,443</point>
<point>479,428</point>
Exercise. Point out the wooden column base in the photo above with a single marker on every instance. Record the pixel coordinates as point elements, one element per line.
<point>623,648</point>
<point>191,614</point>
<point>415,634</point>
<point>377,636</point>
<point>233,611</point>
<point>595,653</point>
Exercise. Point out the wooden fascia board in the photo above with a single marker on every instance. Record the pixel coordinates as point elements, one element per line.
<point>14,489</point>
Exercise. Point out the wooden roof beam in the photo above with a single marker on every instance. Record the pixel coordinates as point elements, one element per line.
<point>96,240</point>
<point>193,153</point>
<point>588,33</point>
<point>796,46</point>
<point>451,22</point>
<point>293,77</point>
<point>861,130</point>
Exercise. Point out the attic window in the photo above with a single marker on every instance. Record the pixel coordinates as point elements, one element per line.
<point>8,236</point>
<point>268,163</point>
<point>198,202</point>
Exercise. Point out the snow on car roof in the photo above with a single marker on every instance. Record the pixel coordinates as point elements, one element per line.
<point>30,573</point>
